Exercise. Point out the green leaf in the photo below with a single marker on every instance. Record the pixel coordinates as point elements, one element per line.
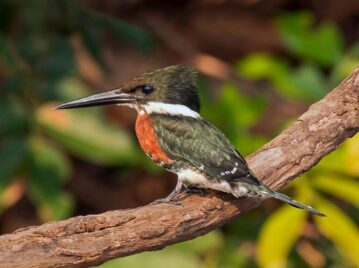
<point>58,207</point>
<point>235,114</point>
<point>345,66</point>
<point>87,134</point>
<point>344,159</point>
<point>71,88</point>
<point>351,152</point>
<point>244,111</point>
<point>49,169</point>
<point>339,228</point>
<point>247,142</point>
<point>12,154</point>
<point>322,45</point>
<point>261,65</point>
<point>278,235</point>
<point>310,81</point>
<point>304,83</point>
<point>343,188</point>
<point>277,71</point>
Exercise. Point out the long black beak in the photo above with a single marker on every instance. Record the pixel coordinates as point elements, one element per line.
<point>116,96</point>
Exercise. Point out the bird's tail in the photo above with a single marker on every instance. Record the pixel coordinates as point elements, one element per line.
<point>287,199</point>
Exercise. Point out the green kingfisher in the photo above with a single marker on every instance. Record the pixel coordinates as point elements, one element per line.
<point>173,134</point>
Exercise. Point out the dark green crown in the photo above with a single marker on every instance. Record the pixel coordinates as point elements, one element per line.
<point>174,84</point>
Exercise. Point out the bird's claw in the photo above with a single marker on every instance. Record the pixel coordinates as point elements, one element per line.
<point>167,200</point>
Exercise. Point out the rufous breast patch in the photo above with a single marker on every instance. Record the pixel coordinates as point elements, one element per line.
<point>148,140</point>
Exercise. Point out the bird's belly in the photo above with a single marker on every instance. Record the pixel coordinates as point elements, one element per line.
<point>196,178</point>
<point>148,140</point>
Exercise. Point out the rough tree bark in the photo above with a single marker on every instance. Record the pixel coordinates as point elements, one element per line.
<point>89,240</point>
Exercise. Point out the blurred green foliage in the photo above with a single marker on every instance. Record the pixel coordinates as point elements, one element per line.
<point>321,45</point>
<point>38,63</point>
<point>317,51</point>
<point>336,175</point>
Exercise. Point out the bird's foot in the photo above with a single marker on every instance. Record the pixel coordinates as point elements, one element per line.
<point>194,190</point>
<point>167,200</point>
<point>170,198</point>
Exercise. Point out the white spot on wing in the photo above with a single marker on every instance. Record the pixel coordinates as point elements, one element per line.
<point>229,172</point>
<point>172,109</point>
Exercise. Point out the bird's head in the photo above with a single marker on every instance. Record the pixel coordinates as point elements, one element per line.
<point>173,86</point>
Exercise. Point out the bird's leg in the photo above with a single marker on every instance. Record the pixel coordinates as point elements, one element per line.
<point>169,198</point>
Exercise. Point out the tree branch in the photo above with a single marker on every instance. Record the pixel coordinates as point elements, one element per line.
<point>89,240</point>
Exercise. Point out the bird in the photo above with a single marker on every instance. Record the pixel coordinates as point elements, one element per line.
<point>171,132</point>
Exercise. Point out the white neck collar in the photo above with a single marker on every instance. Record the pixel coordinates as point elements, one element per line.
<point>167,108</point>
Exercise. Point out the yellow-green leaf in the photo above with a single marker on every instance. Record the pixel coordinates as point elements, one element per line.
<point>339,228</point>
<point>352,155</point>
<point>343,188</point>
<point>57,207</point>
<point>278,235</point>
<point>345,159</point>
<point>48,170</point>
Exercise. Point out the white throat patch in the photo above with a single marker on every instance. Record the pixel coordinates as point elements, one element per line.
<point>171,109</point>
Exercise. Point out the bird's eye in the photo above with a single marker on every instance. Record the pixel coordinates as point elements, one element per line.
<point>147,89</point>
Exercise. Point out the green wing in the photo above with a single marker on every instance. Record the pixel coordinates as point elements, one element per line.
<point>202,145</point>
